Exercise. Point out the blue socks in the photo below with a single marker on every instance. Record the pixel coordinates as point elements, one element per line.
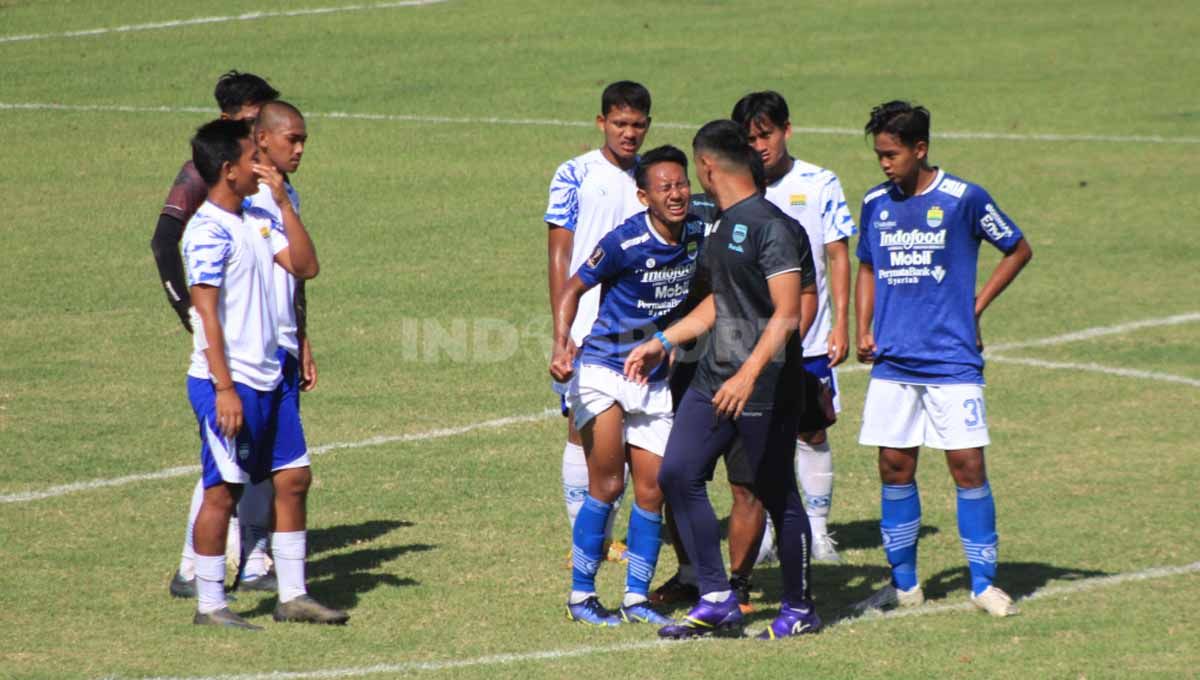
<point>977,530</point>
<point>900,522</point>
<point>645,538</point>
<point>589,543</point>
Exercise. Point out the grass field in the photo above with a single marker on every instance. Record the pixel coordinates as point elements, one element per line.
<point>425,202</point>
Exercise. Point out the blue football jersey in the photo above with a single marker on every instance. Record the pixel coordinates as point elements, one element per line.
<point>643,279</point>
<point>925,250</point>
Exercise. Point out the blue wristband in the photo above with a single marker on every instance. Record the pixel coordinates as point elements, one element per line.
<point>663,339</point>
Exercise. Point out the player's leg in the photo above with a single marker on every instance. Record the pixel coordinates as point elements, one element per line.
<point>769,442</point>
<point>814,457</point>
<point>959,425</point>
<point>697,439</point>
<point>894,420</point>
<point>254,516</point>
<point>604,446</point>
<point>747,526</point>
<point>222,474</point>
<point>647,428</point>
<point>183,582</point>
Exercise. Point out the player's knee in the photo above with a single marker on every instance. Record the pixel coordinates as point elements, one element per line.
<point>743,496</point>
<point>815,438</point>
<point>648,496</point>
<point>294,482</point>
<point>607,488</point>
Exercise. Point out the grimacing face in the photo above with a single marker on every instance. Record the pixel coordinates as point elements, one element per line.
<point>668,192</point>
<point>624,131</point>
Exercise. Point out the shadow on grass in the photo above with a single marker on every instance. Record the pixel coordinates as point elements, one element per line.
<point>864,534</point>
<point>331,538</point>
<point>1018,579</point>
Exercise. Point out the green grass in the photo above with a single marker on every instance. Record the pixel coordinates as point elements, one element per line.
<point>452,548</point>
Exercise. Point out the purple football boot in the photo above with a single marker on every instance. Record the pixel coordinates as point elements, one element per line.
<point>792,621</point>
<point>708,618</point>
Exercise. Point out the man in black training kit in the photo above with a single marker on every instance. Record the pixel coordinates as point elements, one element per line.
<point>760,269</point>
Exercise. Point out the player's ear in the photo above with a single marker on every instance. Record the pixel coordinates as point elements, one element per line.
<point>922,149</point>
<point>787,131</point>
<point>229,171</point>
<point>600,122</point>
<point>648,121</point>
<point>641,194</point>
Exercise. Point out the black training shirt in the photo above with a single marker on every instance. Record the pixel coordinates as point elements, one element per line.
<point>751,242</point>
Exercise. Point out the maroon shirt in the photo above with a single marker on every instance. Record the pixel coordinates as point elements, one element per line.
<point>187,194</point>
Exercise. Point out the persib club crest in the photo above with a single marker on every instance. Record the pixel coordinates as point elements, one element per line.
<point>798,200</point>
<point>265,231</point>
<point>934,217</point>
<point>692,249</point>
<point>739,233</point>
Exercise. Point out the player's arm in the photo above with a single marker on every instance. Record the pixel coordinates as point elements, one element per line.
<point>786,295</point>
<point>838,255</point>
<point>864,311</point>
<point>559,244</point>
<point>300,256</point>
<point>1005,272</point>
<point>562,363</point>
<point>165,247</point>
<point>308,365</point>
<point>647,356</point>
<point>229,405</point>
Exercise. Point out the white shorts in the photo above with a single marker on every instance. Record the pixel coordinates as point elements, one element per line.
<point>647,408</point>
<point>902,415</point>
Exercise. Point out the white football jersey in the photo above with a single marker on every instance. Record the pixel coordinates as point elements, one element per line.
<point>234,253</point>
<point>263,204</point>
<point>814,197</point>
<point>590,196</point>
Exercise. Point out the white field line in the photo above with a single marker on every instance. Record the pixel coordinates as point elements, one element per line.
<point>1070,588</point>
<point>1097,368</point>
<point>186,470</point>
<point>200,21</point>
<point>1085,334</point>
<point>554,122</point>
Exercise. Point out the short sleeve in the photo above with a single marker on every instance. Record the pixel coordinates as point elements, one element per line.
<point>187,194</point>
<point>207,247</point>
<point>782,250</point>
<point>563,207</point>
<point>863,252</point>
<point>989,223</point>
<point>605,263</point>
<point>836,221</point>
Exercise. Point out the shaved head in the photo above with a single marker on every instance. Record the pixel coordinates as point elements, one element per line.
<point>277,113</point>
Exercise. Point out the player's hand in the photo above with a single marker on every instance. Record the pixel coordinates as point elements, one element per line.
<point>839,345</point>
<point>308,367</point>
<point>562,364</point>
<point>642,361</point>
<point>229,412</point>
<point>730,400</point>
<point>268,175</point>
<point>867,348</point>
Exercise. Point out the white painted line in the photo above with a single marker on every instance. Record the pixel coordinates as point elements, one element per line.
<point>1098,331</point>
<point>554,122</point>
<point>183,471</point>
<point>1097,368</point>
<point>200,21</point>
<point>1082,585</point>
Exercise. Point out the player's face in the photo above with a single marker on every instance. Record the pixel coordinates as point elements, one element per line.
<point>624,131</point>
<point>770,141</point>
<point>284,144</point>
<point>667,193</point>
<point>245,182</point>
<point>899,161</point>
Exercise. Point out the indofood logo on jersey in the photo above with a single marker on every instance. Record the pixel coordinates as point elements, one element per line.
<point>798,200</point>
<point>933,217</point>
<point>914,239</point>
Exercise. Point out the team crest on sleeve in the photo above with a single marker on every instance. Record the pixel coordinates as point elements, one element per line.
<point>597,256</point>
<point>933,217</point>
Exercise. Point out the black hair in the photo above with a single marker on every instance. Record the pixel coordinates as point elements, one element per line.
<point>769,105</point>
<point>625,93</point>
<point>236,89</point>
<point>216,143</point>
<point>662,154</point>
<point>727,140</point>
<point>908,122</point>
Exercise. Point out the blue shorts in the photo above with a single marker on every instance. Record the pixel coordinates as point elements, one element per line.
<point>819,366</point>
<point>247,457</point>
<point>289,449</point>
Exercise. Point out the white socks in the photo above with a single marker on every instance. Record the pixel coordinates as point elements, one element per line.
<point>210,583</point>
<point>716,597</point>
<point>288,548</point>
<point>632,599</point>
<point>254,513</point>
<point>187,562</point>
<point>814,473</point>
<point>574,479</point>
